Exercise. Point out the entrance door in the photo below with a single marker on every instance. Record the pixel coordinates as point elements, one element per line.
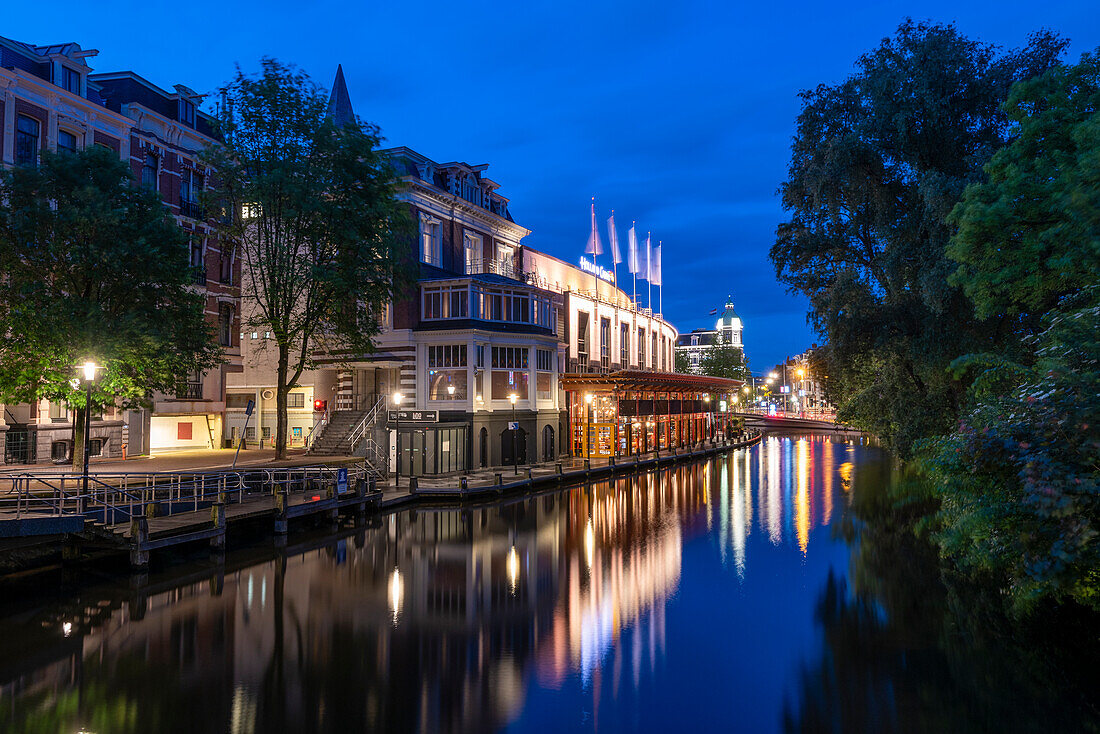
<point>484,442</point>
<point>506,440</point>
<point>548,443</point>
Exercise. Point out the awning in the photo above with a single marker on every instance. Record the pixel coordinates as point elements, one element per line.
<point>643,380</point>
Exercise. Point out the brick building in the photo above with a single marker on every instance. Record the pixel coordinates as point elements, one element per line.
<point>51,100</point>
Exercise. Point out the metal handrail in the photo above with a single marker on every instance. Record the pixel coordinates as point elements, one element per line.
<point>325,418</point>
<point>361,428</point>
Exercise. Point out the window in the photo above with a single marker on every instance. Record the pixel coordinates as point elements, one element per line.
<point>447,355</point>
<point>544,360</point>
<point>149,172</point>
<point>296,400</point>
<point>237,400</point>
<point>510,357</point>
<point>225,324</point>
<point>605,340</point>
<point>624,344</point>
<point>694,340</point>
<point>187,112</point>
<point>59,412</point>
<point>191,183</point>
<point>227,257</point>
<point>472,248</point>
<point>439,382</point>
<point>66,142</point>
<point>543,381</point>
<point>70,80</point>
<point>582,336</point>
<point>198,263</point>
<point>479,351</point>
<point>653,351</point>
<point>431,241</point>
<point>641,347</point>
<point>446,302</point>
<point>26,141</point>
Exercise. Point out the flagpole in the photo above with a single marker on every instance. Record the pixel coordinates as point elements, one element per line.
<point>661,275</point>
<point>649,271</point>
<point>635,263</point>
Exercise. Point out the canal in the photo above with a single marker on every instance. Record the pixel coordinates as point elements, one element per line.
<point>747,593</point>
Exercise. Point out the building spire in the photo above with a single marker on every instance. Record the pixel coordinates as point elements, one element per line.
<point>339,101</point>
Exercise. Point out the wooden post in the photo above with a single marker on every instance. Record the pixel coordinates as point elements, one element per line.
<point>281,502</point>
<point>217,514</point>
<point>139,535</point>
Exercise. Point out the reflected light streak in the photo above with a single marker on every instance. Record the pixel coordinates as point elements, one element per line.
<point>397,592</point>
<point>802,497</point>
<point>775,489</point>
<point>589,543</point>
<point>513,568</point>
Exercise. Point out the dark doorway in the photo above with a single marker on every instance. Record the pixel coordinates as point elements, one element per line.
<point>548,443</point>
<point>506,438</point>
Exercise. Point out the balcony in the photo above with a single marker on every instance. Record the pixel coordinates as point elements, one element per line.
<point>503,267</point>
<point>198,274</point>
<point>191,209</point>
<point>189,391</point>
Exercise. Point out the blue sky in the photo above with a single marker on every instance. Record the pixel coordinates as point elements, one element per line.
<point>677,115</point>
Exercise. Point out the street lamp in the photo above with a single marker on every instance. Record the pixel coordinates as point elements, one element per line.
<point>588,427</point>
<point>706,412</point>
<point>89,369</point>
<point>397,398</point>
<point>512,397</point>
<point>451,391</point>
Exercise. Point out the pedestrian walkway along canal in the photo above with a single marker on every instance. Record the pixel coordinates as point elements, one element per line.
<point>742,593</point>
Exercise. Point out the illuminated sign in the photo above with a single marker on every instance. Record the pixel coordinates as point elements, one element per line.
<point>593,269</point>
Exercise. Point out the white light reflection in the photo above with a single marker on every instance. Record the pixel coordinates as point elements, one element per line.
<point>397,592</point>
<point>513,568</point>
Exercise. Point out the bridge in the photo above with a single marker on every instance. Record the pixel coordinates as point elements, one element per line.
<point>786,422</point>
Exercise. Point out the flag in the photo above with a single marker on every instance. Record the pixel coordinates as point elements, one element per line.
<point>632,247</point>
<point>648,272</point>
<point>655,268</point>
<point>613,238</point>
<point>594,248</point>
<point>714,312</point>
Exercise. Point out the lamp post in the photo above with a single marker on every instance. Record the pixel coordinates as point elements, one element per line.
<point>89,368</point>
<point>802,387</point>
<point>397,398</point>
<point>451,391</point>
<point>588,427</point>
<point>512,397</point>
<point>710,418</point>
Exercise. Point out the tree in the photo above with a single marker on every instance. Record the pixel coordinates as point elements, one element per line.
<point>877,165</point>
<point>1030,234</point>
<point>725,360</point>
<point>683,363</point>
<point>320,224</point>
<point>93,267</point>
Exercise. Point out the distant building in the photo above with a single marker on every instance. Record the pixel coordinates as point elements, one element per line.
<point>727,330</point>
<point>797,386</point>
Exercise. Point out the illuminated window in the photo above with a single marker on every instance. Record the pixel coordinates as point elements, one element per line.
<point>26,141</point>
<point>149,172</point>
<point>431,241</point>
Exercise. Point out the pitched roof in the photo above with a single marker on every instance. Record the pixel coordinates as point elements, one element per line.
<point>339,101</point>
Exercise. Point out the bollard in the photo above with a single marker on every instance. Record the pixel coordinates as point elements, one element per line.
<point>414,485</point>
<point>529,475</point>
<point>139,534</point>
<point>463,483</point>
<point>150,509</point>
<point>217,514</point>
<point>280,511</point>
<point>500,479</point>
<point>558,468</point>
<point>588,465</point>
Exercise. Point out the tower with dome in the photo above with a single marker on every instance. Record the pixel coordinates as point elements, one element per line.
<point>728,329</point>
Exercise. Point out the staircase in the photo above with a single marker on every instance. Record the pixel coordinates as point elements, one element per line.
<point>335,436</point>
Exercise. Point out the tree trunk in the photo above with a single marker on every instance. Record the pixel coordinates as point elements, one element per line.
<point>78,439</point>
<point>281,390</point>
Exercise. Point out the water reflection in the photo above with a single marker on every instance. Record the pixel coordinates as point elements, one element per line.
<point>441,620</point>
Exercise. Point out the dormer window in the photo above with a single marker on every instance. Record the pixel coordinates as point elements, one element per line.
<point>187,112</point>
<point>70,80</point>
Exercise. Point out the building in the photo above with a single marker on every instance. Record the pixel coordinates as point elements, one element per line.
<point>492,320</point>
<point>52,101</point>
<point>798,386</point>
<point>727,330</point>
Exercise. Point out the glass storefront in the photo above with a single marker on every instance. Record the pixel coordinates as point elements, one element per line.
<point>438,449</point>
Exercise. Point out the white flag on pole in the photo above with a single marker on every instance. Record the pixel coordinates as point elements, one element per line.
<point>655,267</point>
<point>594,247</point>
<point>648,272</point>
<point>613,238</point>
<point>632,250</point>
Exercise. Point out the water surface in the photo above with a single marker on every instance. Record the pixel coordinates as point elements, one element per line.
<point>731,595</point>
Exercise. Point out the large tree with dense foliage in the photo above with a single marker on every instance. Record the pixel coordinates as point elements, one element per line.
<point>320,229</point>
<point>1030,234</point>
<point>93,267</point>
<point>878,163</point>
<point>725,360</point>
<point>1019,480</point>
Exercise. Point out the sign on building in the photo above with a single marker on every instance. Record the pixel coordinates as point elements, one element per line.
<point>414,416</point>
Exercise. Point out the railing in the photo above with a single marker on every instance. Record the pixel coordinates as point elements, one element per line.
<point>191,209</point>
<point>318,427</point>
<point>189,391</point>
<point>198,274</point>
<point>360,431</point>
<point>503,267</point>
